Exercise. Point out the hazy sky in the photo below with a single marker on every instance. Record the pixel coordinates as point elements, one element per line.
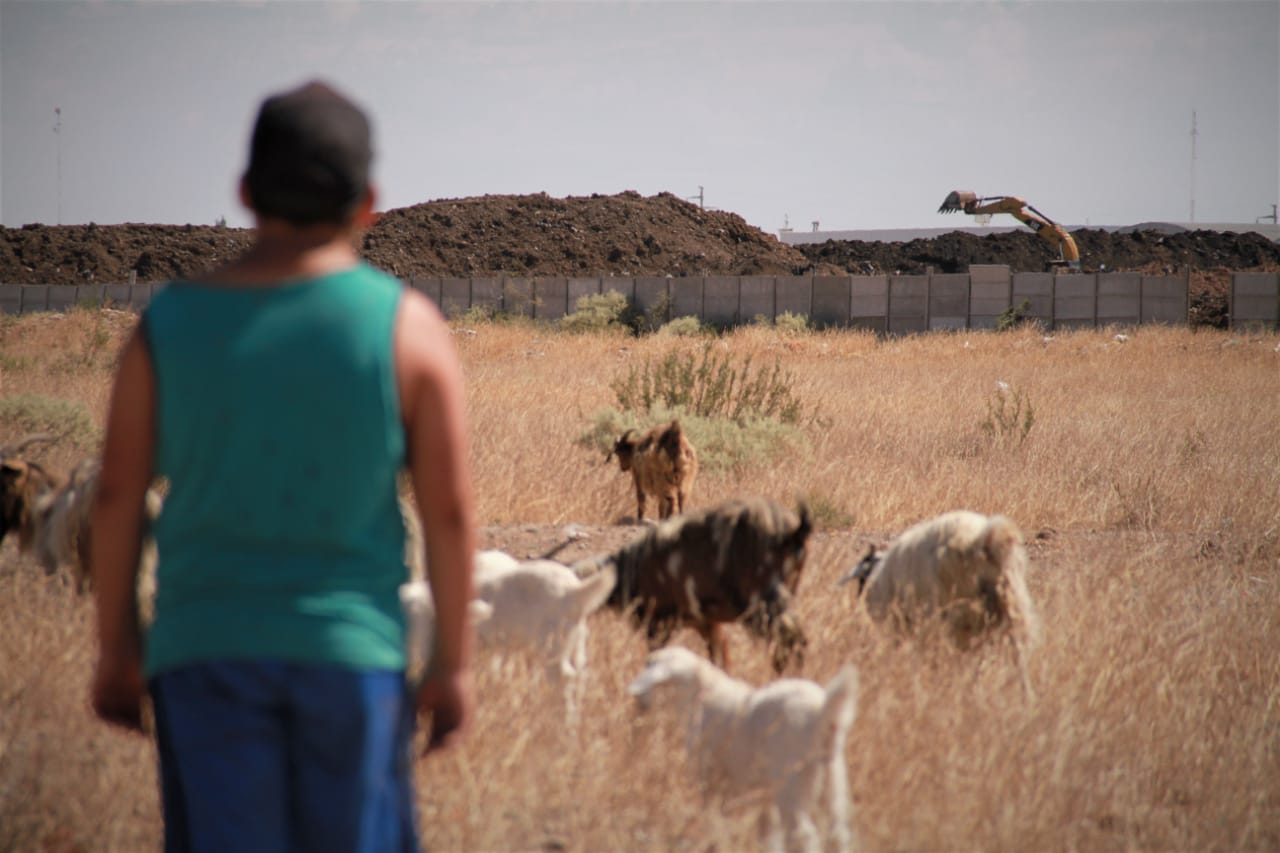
<point>856,114</point>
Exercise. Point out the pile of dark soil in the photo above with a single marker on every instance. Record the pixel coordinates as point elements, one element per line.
<point>622,235</point>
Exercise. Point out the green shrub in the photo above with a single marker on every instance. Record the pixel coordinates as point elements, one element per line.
<point>722,445</point>
<point>1010,317</point>
<point>792,324</point>
<point>598,311</point>
<point>686,327</point>
<point>30,414</point>
<point>710,386</point>
<point>733,415</point>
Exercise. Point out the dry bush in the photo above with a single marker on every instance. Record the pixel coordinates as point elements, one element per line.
<point>1148,491</point>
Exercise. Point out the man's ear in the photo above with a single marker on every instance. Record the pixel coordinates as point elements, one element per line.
<point>245,198</point>
<point>365,216</point>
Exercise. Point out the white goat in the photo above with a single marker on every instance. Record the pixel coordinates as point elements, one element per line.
<point>963,568</point>
<point>785,740</point>
<point>541,606</point>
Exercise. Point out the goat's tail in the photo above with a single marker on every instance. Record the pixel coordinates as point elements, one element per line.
<point>594,591</point>
<point>841,705</point>
<point>1005,549</point>
<point>838,713</point>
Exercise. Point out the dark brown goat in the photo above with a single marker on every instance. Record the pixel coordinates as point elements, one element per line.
<point>50,514</point>
<point>663,463</point>
<point>739,561</point>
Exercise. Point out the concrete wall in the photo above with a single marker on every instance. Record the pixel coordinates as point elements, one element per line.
<point>900,304</point>
<point>1254,300</point>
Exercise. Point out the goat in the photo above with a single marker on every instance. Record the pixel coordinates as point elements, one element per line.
<point>51,517</point>
<point>740,560</point>
<point>663,463</point>
<point>542,606</point>
<point>785,740</point>
<point>966,569</point>
<point>538,605</point>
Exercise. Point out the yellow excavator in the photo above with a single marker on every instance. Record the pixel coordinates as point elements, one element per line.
<point>971,203</point>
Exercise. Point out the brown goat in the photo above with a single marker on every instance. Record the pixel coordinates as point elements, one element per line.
<point>739,561</point>
<point>51,515</point>
<point>663,463</point>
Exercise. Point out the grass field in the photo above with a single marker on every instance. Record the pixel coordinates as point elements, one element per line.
<point>1147,482</point>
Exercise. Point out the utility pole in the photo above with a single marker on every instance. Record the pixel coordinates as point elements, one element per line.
<point>57,131</point>
<point>1193,167</point>
<point>698,197</point>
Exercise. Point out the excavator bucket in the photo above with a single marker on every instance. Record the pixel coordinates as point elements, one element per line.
<point>957,200</point>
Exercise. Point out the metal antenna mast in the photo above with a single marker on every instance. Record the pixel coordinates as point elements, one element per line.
<point>1193,167</point>
<point>57,131</point>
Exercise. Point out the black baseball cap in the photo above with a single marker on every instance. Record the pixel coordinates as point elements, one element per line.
<point>309,156</point>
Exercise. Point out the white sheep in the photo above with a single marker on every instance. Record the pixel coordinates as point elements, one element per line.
<point>541,606</point>
<point>785,740</point>
<point>963,568</point>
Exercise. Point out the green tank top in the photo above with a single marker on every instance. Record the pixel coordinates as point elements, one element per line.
<point>279,432</point>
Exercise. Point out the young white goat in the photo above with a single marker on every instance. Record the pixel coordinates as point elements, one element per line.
<point>963,568</point>
<point>542,606</point>
<point>784,741</point>
<point>539,606</point>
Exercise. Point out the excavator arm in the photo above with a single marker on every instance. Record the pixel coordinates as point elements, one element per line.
<point>1046,228</point>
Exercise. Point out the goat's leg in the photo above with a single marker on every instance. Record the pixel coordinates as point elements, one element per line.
<point>794,801</point>
<point>639,504</point>
<point>717,649</point>
<point>1020,658</point>
<point>767,829</point>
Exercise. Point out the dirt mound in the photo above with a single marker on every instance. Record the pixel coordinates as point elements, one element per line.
<point>1023,251</point>
<point>624,235</point>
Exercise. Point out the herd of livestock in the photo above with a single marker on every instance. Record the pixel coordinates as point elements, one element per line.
<point>737,562</point>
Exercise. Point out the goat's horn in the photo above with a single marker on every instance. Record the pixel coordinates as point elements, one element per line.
<point>25,443</point>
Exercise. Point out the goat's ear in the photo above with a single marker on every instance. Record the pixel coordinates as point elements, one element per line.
<point>653,674</point>
<point>12,469</point>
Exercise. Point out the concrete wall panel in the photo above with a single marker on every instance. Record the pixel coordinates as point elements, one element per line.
<point>948,301</point>
<point>550,298</point>
<point>1074,299</point>
<point>486,294</point>
<point>795,295</point>
<point>455,296</point>
<point>755,297</point>
<point>1255,298</point>
<point>1120,298</point>
<point>35,297</point>
<point>518,296</point>
<point>1164,299</point>
<point>578,288</point>
<point>686,297</point>
<point>990,295</point>
<point>1035,288</point>
<point>652,299</point>
<point>10,298</point>
<point>117,295</point>
<point>430,287</point>
<point>614,284</point>
<point>720,300</point>
<point>908,304</point>
<point>869,299</point>
<point>831,295</point>
<point>62,297</point>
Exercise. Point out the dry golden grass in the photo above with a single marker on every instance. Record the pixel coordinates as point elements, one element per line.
<point>1148,486</point>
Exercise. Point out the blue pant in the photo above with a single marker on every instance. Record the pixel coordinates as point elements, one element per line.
<point>281,757</point>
